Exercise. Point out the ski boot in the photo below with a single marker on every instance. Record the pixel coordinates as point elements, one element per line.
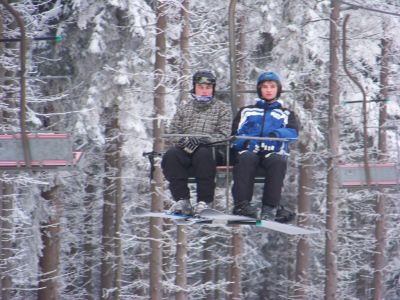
<point>245,210</point>
<point>284,215</point>
<point>268,213</point>
<point>182,207</point>
<point>199,207</point>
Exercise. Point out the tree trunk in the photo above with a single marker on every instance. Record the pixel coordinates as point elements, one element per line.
<point>6,204</point>
<point>234,272</point>
<point>333,146</point>
<point>181,254</point>
<point>241,59</point>
<point>232,53</point>
<point>110,182</point>
<point>88,246</point>
<point>304,203</point>
<point>380,232</point>
<point>235,269</point>
<point>185,54</point>
<point>118,216</point>
<point>49,261</point>
<point>303,246</point>
<point>6,229</point>
<point>207,273</point>
<point>181,247</point>
<point>157,182</point>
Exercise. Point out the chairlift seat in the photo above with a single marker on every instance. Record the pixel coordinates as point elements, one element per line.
<point>382,174</point>
<point>48,151</point>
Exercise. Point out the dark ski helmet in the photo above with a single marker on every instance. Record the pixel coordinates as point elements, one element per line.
<point>204,77</point>
<point>269,76</point>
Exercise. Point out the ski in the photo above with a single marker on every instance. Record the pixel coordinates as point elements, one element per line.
<point>214,217</point>
<point>140,212</point>
<point>209,214</point>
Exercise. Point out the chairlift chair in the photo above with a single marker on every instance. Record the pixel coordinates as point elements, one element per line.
<point>48,151</point>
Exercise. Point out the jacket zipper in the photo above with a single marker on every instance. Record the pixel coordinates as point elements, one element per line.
<point>262,126</point>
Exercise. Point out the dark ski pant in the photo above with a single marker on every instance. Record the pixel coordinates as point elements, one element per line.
<point>177,166</point>
<point>245,170</point>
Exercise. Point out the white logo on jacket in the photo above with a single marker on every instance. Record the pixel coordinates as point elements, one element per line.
<point>279,114</point>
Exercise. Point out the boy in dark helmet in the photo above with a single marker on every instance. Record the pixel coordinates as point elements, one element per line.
<point>202,115</point>
<point>266,118</point>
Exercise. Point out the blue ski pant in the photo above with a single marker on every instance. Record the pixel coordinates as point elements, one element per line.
<point>273,167</point>
<point>178,165</point>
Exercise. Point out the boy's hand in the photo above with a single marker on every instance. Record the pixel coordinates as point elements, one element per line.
<point>189,144</point>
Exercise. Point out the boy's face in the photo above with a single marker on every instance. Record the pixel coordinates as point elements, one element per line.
<point>269,90</point>
<point>203,89</point>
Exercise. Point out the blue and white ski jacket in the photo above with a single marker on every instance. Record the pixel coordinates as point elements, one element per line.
<point>264,120</point>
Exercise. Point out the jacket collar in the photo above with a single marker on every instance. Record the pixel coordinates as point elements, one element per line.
<point>201,105</point>
<point>265,105</point>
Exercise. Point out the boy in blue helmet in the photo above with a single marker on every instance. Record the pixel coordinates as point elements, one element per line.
<point>266,118</point>
<point>202,115</point>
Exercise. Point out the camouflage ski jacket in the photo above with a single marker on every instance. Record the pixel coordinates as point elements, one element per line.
<point>212,119</point>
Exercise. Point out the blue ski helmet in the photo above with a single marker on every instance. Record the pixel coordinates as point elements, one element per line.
<point>269,76</point>
<point>204,77</point>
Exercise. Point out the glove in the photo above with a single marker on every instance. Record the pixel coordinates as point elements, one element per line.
<point>254,146</point>
<point>270,146</point>
<point>263,146</point>
<point>189,144</point>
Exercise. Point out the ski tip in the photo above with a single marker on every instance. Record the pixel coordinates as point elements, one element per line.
<point>286,228</point>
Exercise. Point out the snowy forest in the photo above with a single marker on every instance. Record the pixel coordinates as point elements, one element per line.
<point>111,73</point>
